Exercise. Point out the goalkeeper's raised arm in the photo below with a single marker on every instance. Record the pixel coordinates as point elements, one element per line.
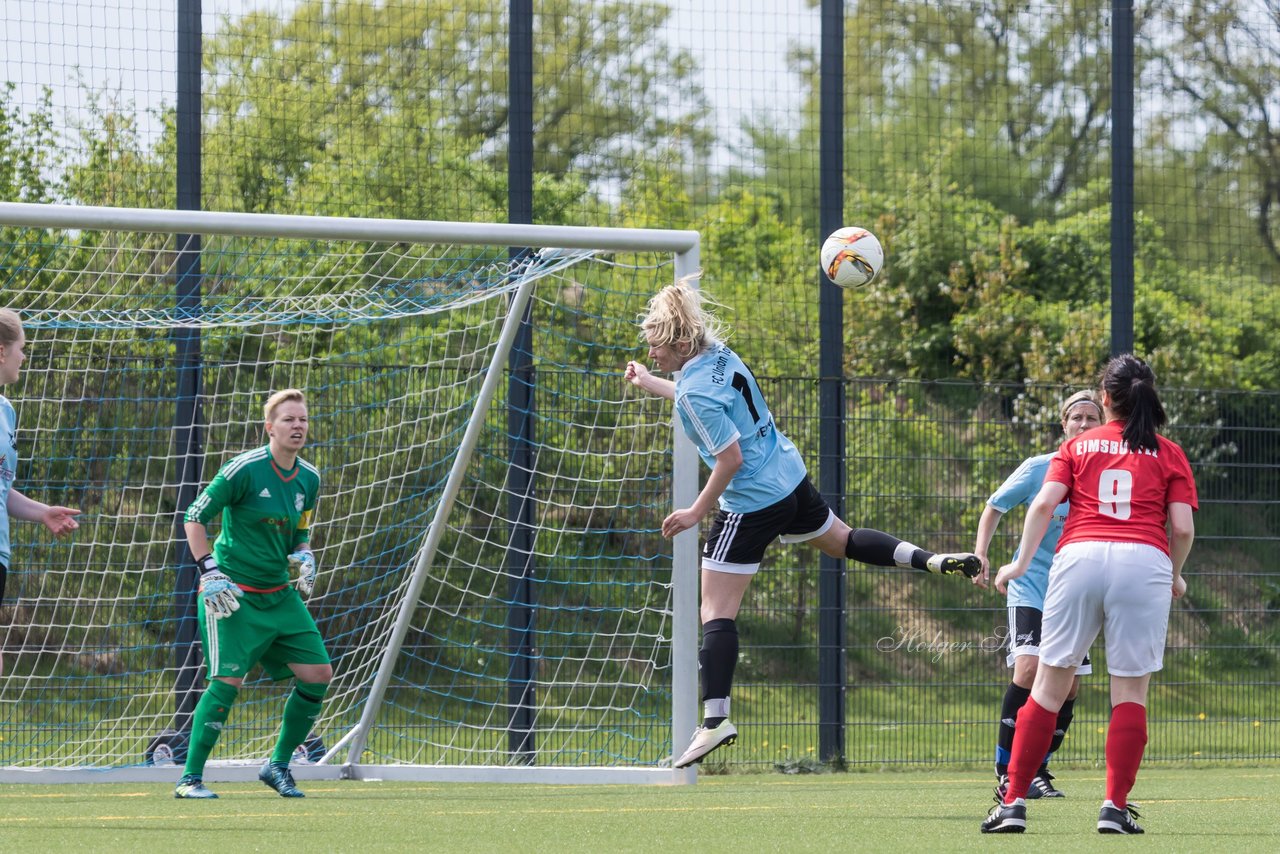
<point>249,610</point>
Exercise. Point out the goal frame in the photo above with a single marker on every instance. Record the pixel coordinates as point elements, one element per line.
<point>341,760</point>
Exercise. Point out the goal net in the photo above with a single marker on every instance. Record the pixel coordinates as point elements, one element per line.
<point>493,590</point>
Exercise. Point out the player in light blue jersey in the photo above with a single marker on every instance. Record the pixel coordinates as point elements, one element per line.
<point>719,403</point>
<point>59,520</point>
<point>1081,411</point>
<point>758,482</point>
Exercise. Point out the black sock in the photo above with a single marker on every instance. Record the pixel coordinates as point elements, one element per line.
<point>869,546</point>
<point>1015,697</point>
<point>716,660</point>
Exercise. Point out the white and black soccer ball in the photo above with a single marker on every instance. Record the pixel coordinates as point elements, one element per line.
<point>851,256</point>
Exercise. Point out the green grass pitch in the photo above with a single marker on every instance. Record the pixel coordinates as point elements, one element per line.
<point>922,812</point>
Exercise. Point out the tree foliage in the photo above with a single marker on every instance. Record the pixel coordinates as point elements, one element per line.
<point>1006,101</point>
<point>976,147</point>
<point>1224,57</point>
<point>29,155</point>
<point>401,109</point>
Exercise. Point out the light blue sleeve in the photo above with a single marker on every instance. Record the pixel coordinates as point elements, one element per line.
<point>709,421</point>
<point>1021,486</point>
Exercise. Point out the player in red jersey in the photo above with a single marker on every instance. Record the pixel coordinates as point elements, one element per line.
<point>1125,540</point>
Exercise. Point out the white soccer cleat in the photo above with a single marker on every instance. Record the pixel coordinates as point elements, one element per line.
<point>963,563</point>
<point>706,740</point>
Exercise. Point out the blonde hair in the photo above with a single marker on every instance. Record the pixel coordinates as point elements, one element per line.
<point>10,326</point>
<point>283,396</point>
<point>676,317</point>
<point>1086,396</point>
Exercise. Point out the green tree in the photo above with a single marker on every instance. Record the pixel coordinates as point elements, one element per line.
<point>401,109</point>
<point>1224,58</point>
<point>117,166</point>
<point>1007,100</point>
<point>30,158</point>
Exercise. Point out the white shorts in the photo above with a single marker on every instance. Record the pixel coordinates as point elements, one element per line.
<point>1122,589</point>
<point>1024,637</point>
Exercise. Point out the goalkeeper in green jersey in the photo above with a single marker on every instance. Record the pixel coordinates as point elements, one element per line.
<point>248,609</point>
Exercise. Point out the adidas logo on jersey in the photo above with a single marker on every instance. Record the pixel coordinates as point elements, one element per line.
<point>265,493</point>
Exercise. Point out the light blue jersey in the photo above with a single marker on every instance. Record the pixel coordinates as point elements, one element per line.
<point>719,402</point>
<point>1021,487</point>
<point>8,469</point>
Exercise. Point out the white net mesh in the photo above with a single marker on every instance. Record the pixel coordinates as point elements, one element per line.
<point>542,633</point>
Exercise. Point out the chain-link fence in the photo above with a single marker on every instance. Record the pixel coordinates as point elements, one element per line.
<point>979,142</point>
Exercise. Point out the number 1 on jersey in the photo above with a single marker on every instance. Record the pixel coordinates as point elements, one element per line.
<point>744,388</point>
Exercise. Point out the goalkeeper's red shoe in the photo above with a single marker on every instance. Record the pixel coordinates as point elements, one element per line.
<point>706,740</point>
<point>962,563</point>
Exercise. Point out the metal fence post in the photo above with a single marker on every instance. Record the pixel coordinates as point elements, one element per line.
<point>831,577</point>
<point>189,445</point>
<point>521,386</point>
<point>1121,177</point>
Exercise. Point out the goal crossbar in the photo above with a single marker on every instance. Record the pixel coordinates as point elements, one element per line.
<point>349,228</point>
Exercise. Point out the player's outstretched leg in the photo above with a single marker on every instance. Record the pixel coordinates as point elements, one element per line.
<point>706,740</point>
<point>276,775</point>
<point>193,788</point>
<point>877,548</point>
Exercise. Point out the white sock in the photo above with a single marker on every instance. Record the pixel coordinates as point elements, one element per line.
<point>902,554</point>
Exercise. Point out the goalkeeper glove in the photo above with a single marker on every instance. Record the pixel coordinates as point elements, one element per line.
<point>220,594</point>
<point>304,562</point>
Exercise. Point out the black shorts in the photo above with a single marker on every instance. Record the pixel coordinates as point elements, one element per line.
<point>4,573</point>
<point>1024,636</point>
<point>736,541</point>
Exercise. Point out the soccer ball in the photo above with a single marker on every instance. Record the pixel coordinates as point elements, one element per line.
<point>851,257</point>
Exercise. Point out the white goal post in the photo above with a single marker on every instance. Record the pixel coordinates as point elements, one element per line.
<point>494,592</point>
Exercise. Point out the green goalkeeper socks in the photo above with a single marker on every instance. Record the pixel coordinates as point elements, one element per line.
<point>300,713</point>
<point>206,725</point>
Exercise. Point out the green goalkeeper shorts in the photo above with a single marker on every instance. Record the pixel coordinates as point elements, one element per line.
<point>272,628</point>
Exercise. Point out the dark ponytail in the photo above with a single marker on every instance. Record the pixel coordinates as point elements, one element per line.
<point>1131,385</point>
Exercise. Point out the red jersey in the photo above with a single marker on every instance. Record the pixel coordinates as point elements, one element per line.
<point>1118,494</point>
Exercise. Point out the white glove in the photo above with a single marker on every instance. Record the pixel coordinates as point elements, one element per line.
<point>221,595</point>
<point>304,562</point>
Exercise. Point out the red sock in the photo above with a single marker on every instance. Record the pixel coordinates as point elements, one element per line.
<point>1126,739</point>
<point>1031,737</point>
